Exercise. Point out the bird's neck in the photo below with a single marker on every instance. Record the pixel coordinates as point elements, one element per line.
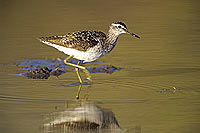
<point>111,40</point>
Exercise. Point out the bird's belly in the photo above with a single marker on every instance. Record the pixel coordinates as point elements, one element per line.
<point>90,55</point>
<point>85,56</point>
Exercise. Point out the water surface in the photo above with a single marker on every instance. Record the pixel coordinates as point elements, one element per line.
<point>142,95</point>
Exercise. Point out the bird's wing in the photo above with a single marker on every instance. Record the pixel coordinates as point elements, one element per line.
<point>78,40</point>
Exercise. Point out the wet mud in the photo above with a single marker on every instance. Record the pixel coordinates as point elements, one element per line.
<point>45,68</point>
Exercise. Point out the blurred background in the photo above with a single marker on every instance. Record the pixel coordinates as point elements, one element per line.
<point>158,89</point>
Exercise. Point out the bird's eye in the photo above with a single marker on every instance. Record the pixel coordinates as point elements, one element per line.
<point>119,26</point>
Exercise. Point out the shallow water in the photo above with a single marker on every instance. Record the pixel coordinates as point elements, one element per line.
<point>158,89</point>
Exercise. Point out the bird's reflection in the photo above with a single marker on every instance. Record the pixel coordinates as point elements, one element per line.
<point>87,116</point>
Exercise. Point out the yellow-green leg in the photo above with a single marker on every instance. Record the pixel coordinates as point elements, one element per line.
<point>80,67</point>
<point>78,92</point>
<point>78,74</point>
<point>69,57</point>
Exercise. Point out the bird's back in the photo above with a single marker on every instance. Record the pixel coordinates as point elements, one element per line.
<point>81,40</point>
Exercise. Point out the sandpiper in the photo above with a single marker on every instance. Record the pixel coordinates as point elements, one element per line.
<point>87,46</point>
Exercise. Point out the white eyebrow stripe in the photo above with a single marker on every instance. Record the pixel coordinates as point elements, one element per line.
<point>115,24</point>
<point>118,25</point>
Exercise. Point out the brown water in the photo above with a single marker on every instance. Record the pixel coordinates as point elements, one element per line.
<point>141,96</point>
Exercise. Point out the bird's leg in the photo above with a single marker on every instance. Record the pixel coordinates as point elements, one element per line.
<point>80,67</point>
<point>78,74</point>
<point>87,74</point>
<point>69,57</point>
<point>78,92</point>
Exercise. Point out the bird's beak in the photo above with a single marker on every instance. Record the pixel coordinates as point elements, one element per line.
<point>132,34</point>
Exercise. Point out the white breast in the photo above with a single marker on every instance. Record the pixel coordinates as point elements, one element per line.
<point>90,55</point>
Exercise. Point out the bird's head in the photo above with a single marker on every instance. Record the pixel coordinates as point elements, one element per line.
<point>120,28</point>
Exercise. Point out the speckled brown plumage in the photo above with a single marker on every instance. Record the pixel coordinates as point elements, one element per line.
<point>81,40</point>
<point>88,46</point>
